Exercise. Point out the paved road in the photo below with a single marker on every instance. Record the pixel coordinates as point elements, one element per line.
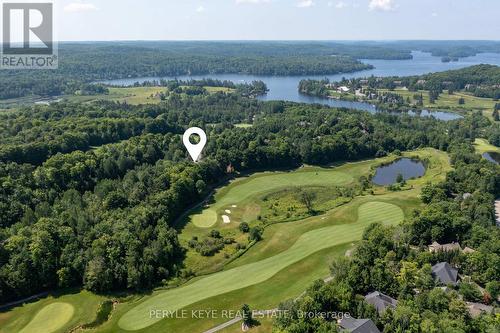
<point>24,300</point>
<point>224,325</point>
<point>237,319</point>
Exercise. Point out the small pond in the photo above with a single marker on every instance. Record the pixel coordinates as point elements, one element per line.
<point>408,168</point>
<point>492,157</point>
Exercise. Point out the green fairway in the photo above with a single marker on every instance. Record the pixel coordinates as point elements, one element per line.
<point>242,189</point>
<point>54,314</point>
<point>50,318</point>
<point>250,274</point>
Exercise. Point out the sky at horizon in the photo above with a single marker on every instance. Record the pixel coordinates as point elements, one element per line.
<point>104,20</point>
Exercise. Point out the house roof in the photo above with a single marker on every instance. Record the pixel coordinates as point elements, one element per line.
<point>435,246</point>
<point>380,301</point>
<point>358,325</point>
<point>445,273</point>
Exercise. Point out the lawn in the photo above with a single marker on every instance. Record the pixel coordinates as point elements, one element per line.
<point>54,314</point>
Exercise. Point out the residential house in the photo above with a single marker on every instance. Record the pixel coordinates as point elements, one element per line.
<point>436,247</point>
<point>380,301</point>
<point>445,274</point>
<point>350,324</point>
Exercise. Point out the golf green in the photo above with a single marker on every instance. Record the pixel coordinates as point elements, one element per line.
<point>50,318</point>
<point>266,182</point>
<point>260,271</point>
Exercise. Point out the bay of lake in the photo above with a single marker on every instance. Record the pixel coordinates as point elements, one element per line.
<point>286,87</point>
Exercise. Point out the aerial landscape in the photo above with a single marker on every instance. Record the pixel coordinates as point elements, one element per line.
<point>291,166</point>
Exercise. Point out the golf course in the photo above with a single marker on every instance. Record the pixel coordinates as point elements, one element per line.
<point>267,182</point>
<point>56,313</point>
<point>292,253</point>
<point>260,271</point>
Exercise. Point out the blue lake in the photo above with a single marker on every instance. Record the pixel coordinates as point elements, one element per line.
<point>286,87</point>
<point>408,168</point>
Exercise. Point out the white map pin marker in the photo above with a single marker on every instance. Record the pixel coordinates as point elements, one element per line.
<point>195,149</point>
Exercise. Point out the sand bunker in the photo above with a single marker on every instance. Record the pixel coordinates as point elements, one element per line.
<point>228,211</point>
<point>226,219</point>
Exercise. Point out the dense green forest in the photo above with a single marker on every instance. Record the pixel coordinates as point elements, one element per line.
<point>81,64</point>
<point>394,261</point>
<point>31,136</point>
<point>450,49</point>
<point>90,191</point>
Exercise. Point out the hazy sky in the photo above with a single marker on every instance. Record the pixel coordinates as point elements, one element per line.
<point>277,19</point>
